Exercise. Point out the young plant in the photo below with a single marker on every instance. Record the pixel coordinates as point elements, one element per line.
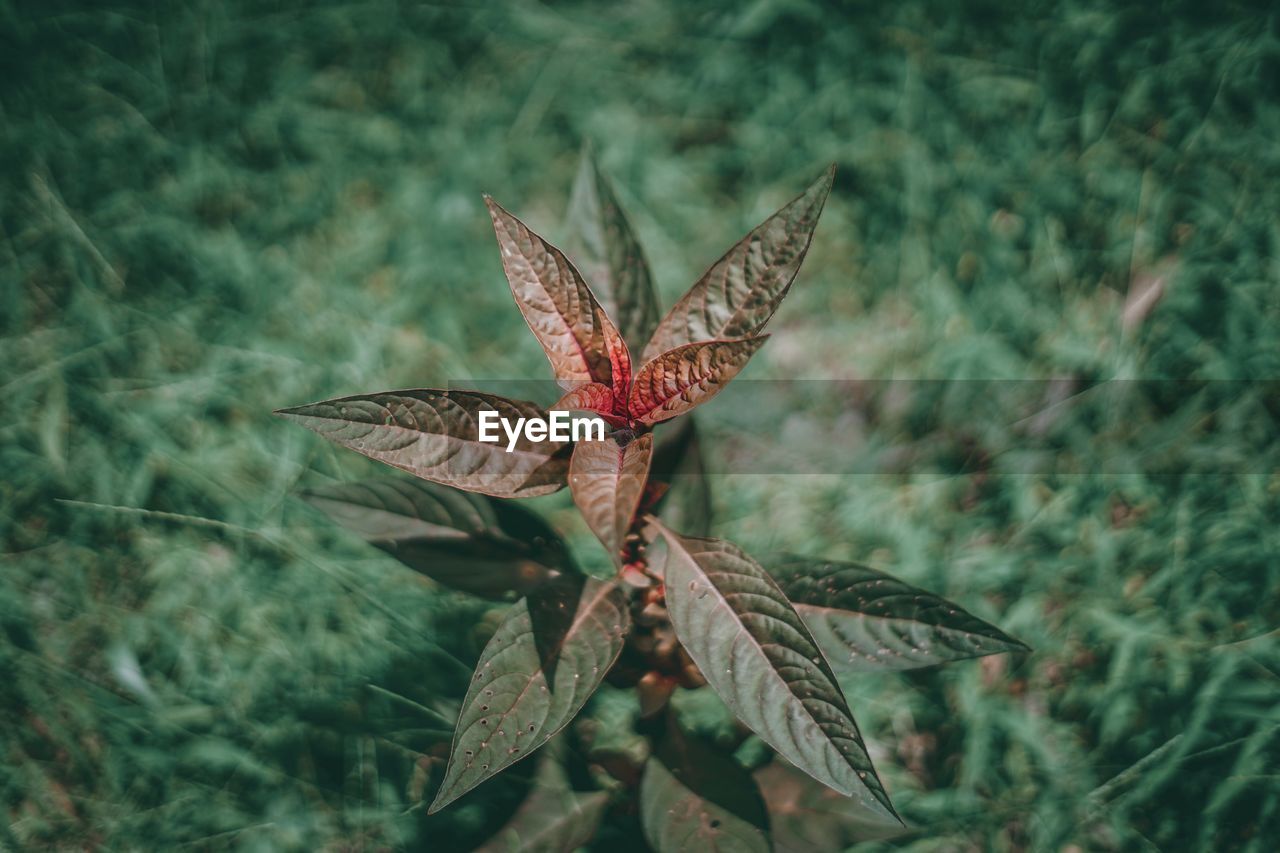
<point>768,636</point>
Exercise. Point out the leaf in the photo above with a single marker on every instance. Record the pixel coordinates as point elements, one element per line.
<point>473,543</point>
<point>610,255</point>
<point>607,479</point>
<point>678,463</point>
<point>547,657</point>
<point>695,798</point>
<point>553,818</point>
<point>755,650</point>
<point>594,397</point>
<point>435,435</point>
<point>687,376</point>
<point>580,340</point>
<point>867,620</point>
<point>804,815</point>
<point>738,295</point>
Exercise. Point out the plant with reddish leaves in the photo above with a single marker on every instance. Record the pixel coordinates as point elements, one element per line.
<point>769,641</point>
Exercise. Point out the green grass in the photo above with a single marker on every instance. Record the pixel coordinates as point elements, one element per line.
<point>214,211</point>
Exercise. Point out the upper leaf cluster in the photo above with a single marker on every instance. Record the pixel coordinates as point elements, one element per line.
<point>769,642</point>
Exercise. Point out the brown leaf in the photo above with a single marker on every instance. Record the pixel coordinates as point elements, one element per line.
<point>866,620</point>
<point>738,295</point>
<point>548,656</point>
<point>682,488</point>
<point>553,818</point>
<point>756,653</point>
<point>805,815</point>
<point>695,797</point>
<point>610,256</point>
<point>594,397</point>
<point>580,340</point>
<point>435,435</point>
<point>474,543</point>
<point>607,480</point>
<point>687,376</point>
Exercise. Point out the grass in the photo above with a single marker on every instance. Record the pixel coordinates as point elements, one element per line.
<point>211,211</point>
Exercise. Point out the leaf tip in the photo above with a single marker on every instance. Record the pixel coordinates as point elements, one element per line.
<point>443,797</point>
<point>496,211</point>
<point>821,188</point>
<point>753,344</point>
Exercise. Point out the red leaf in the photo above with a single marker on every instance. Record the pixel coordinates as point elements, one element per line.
<point>580,340</point>
<point>594,397</point>
<point>687,376</point>
<point>607,480</point>
<point>738,295</point>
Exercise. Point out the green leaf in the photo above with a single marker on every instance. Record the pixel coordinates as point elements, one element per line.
<point>469,542</point>
<point>609,254</point>
<point>738,295</point>
<point>867,620</point>
<point>679,465</point>
<point>553,818</point>
<point>577,335</point>
<point>547,657</point>
<point>755,650</point>
<point>607,480</point>
<point>693,797</point>
<point>680,379</point>
<point>435,435</point>
<point>804,815</point>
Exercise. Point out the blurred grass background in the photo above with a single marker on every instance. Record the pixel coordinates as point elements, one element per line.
<point>211,210</point>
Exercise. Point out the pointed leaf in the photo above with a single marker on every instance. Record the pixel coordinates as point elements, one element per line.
<point>580,340</point>
<point>607,479</point>
<point>435,435</point>
<point>545,660</point>
<point>693,797</point>
<point>594,397</point>
<point>804,815</point>
<point>687,376</point>
<point>679,464</point>
<point>754,649</point>
<point>610,256</point>
<point>392,510</point>
<point>738,295</point>
<point>867,620</point>
<point>469,542</point>
<point>554,818</point>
